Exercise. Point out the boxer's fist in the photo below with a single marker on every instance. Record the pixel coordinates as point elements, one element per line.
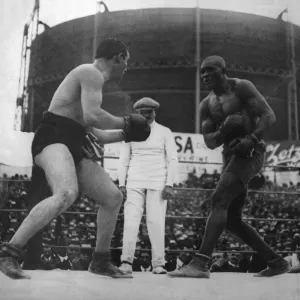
<point>244,147</point>
<point>136,128</point>
<point>232,123</point>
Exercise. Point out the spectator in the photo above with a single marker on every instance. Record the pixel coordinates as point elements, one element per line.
<point>48,260</point>
<point>64,262</point>
<point>180,233</point>
<point>79,261</point>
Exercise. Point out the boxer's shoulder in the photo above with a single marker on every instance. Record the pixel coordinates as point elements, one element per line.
<point>88,72</point>
<point>205,102</point>
<point>243,85</point>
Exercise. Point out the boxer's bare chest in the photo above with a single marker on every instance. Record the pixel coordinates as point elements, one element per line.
<point>222,106</point>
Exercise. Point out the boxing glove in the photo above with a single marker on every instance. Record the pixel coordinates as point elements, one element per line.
<point>244,147</point>
<point>234,125</point>
<point>136,128</point>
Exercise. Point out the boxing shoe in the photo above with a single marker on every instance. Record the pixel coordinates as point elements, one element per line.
<point>159,270</point>
<point>101,265</point>
<point>197,268</point>
<point>275,267</point>
<point>9,262</point>
<point>126,267</point>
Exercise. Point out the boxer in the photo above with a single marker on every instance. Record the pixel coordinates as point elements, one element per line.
<point>57,148</point>
<point>234,115</point>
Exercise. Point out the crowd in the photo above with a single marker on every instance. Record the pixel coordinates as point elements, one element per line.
<point>184,226</point>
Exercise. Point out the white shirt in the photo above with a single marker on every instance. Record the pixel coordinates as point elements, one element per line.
<point>151,164</point>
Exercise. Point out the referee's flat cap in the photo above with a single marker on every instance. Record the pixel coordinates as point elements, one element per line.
<point>146,103</point>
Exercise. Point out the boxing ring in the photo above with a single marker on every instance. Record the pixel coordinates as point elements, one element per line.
<point>59,284</point>
<point>82,285</point>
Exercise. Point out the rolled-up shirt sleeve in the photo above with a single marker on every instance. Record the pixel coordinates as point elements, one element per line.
<point>171,157</point>
<point>124,160</point>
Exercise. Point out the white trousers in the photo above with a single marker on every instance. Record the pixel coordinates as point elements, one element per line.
<point>156,209</point>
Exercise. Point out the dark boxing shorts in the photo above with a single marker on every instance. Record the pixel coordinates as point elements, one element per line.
<point>58,129</point>
<point>245,168</point>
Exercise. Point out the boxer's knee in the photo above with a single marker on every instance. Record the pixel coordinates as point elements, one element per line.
<point>115,199</point>
<point>66,198</point>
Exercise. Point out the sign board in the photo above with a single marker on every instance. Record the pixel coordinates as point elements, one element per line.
<point>192,154</point>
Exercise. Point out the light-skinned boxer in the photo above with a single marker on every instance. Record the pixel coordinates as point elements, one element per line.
<point>75,109</point>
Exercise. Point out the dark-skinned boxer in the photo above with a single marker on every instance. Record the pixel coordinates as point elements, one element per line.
<point>234,115</point>
<point>57,148</point>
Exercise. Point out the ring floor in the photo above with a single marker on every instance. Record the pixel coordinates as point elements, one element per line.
<point>80,285</point>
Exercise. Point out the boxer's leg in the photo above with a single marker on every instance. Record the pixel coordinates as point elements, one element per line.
<point>38,190</point>
<point>229,186</point>
<point>232,183</point>
<point>59,167</point>
<point>241,229</point>
<point>96,183</point>
<point>244,231</point>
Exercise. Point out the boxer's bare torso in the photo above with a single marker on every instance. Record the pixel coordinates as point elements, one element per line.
<point>67,100</point>
<point>215,108</point>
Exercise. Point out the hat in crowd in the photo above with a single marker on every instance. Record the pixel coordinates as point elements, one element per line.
<point>146,103</point>
<point>183,237</point>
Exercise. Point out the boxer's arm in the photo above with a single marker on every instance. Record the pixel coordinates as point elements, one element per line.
<point>258,107</point>
<point>124,161</point>
<point>172,157</point>
<point>108,136</point>
<point>91,82</point>
<point>212,138</point>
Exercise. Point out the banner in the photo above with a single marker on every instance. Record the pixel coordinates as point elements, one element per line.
<point>193,155</point>
<point>283,154</point>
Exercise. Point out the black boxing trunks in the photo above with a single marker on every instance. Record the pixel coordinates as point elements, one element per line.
<point>58,129</point>
<point>244,168</point>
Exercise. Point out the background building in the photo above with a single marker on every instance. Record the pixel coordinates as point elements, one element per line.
<point>162,44</point>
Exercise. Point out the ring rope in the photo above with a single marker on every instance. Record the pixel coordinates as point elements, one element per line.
<point>197,189</point>
<point>170,250</point>
<point>249,191</point>
<point>167,216</point>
